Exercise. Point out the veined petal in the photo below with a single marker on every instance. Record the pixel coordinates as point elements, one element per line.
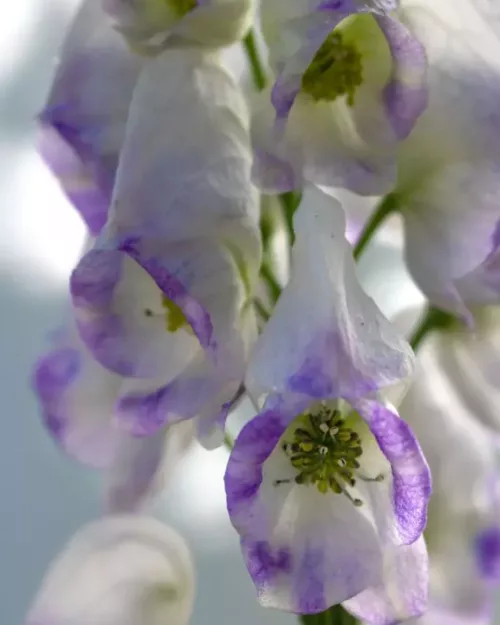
<point>404,591</point>
<point>326,338</point>
<point>122,569</point>
<point>304,551</point>
<point>82,126</point>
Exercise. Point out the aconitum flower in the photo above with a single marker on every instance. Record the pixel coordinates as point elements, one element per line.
<point>350,84</point>
<point>165,292</point>
<point>448,186</point>
<point>463,530</point>
<point>121,570</point>
<point>327,486</point>
<point>77,401</point>
<point>152,25</point>
<point>82,126</point>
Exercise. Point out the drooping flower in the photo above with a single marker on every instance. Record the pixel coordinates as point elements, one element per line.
<point>153,25</point>
<point>120,570</point>
<point>350,84</point>
<point>327,486</point>
<point>82,126</point>
<point>77,400</point>
<point>165,292</point>
<point>447,189</point>
<point>463,530</point>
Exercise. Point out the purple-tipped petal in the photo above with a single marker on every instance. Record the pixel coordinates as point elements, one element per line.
<point>305,551</point>
<point>411,487</point>
<point>112,297</point>
<point>487,547</point>
<point>404,591</point>
<point>76,398</point>
<point>82,126</point>
<point>406,95</point>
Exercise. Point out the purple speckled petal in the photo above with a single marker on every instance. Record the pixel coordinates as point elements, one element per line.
<point>406,94</point>
<point>305,551</point>
<point>403,593</point>
<point>487,548</point>
<point>411,488</point>
<point>82,126</point>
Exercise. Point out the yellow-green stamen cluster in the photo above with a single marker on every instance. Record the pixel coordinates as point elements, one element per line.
<point>174,316</point>
<point>336,70</point>
<point>325,452</point>
<point>181,7</point>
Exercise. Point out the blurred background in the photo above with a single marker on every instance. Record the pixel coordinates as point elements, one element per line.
<point>46,497</point>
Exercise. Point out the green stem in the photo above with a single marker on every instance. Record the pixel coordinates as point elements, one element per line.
<point>256,66</point>
<point>385,207</point>
<point>289,203</point>
<point>336,615</point>
<point>433,319</point>
<point>272,284</point>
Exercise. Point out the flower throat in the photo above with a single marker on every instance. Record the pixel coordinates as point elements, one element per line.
<point>335,70</point>
<point>325,453</point>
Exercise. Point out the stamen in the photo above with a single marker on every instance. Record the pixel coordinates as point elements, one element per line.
<point>175,317</point>
<point>324,453</point>
<point>335,70</point>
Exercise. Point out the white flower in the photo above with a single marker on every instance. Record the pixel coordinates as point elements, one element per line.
<point>463,529</point>
<point>350,84</point>
<point>165,292</point>
<point>327,486</point>
<point>120,570</point>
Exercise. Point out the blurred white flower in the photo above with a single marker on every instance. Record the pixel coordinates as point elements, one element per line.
<point>122,570</point>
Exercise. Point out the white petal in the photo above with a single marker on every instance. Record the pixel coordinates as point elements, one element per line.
<point>118,571</point>
<point>193,178</point>
<point>326,332</point>
<point>143,466</point>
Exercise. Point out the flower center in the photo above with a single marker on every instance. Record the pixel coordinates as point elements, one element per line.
<point>181,7</point>
<point>325,453</point>
<point>335,70</point>
<point>175,318</point>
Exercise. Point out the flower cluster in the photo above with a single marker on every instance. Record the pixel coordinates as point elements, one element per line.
<point>183,302</point>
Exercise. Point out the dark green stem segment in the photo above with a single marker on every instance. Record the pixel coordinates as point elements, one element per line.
<point>256,66</point>
<point>289,204</point>
<point>385,207</point>
<point>336,615</point>
<point>432,319</point>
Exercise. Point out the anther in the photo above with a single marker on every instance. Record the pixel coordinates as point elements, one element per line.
<point>323,427</point>
<point>323,450</point>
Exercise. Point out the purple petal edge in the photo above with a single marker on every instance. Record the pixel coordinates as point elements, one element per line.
<point>86,183</point>
<point>406,95</point>
<point>92,286</point>
<point>411,475</point>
